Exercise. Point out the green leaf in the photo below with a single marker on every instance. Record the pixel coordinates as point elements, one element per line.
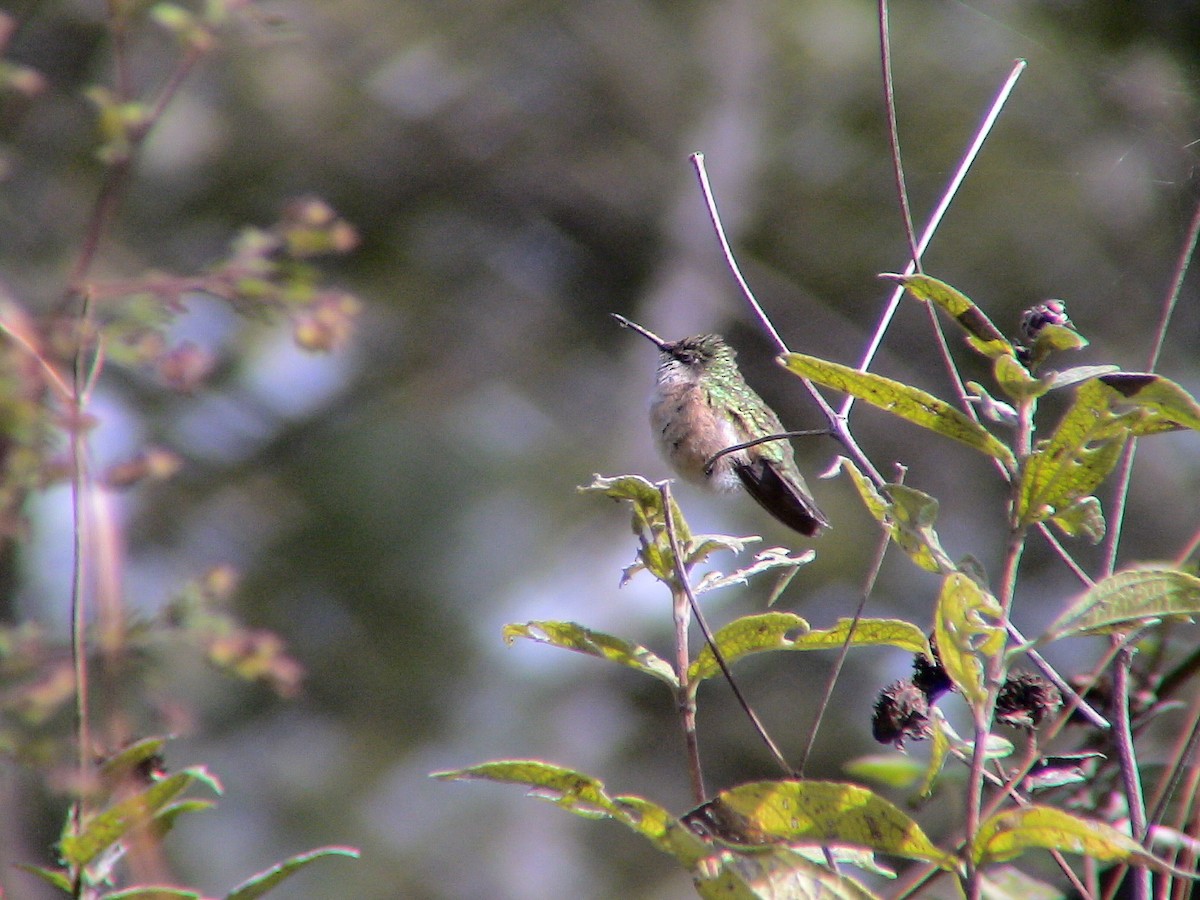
<point>137,754</point>
<point>912,515</point>
<point>648,521</point>
<point>900,399</point>
<point>939,750</point>
<point>743,637</point>
<point>1166,406</point>
<point>778,874</point>
<point>867,633</point>
<point>824,813</point>
<point>1007,835</point>
<point>875,502</point>
<point>165,820</point>
<point>258,885</point>
<point>1010,883</point>
<point>55,877</point>
<point>109,826</point>
<point>1126,600</point>
<point>893,770</point>
<point>585,796</point>
<point>152,893</point>
<point>1053,339</point>
<point>770,631</point>
<point>981,333</point>
<point>994,746</point>
<point>1083,450</point>
<point>571,636</point>
<point>964,634</point>
<point>1083,518</point>
<point>1016,381</point>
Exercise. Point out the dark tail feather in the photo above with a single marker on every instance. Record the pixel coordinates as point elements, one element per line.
<point>787,502</point>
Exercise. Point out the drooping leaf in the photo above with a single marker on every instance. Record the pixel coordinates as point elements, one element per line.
<point>940,749</point>
<point>876,504</point>
<point>571,636</point>
<point>905,401</point>
<point>824,813</point>
<point>585,796</point>
<point>1127,599</point>
<point>55,877</point>
<point>112,824</point>
<point>258,885</point>
<point>912,515</point>
<point>152,893</point>
<point>966,633</point>
<point>981,333</point>
<point>1083,518</point>
<point>1007,835</point>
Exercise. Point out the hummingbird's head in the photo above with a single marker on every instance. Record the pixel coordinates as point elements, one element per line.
<point>687,356</point>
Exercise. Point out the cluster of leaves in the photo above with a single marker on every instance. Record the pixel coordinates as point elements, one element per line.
<point>792,836</point>
<point>136,804</point>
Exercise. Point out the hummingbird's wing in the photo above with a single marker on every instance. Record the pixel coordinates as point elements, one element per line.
<point>779,495</point>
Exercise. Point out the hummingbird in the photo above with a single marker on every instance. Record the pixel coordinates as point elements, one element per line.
<point>702,405</point>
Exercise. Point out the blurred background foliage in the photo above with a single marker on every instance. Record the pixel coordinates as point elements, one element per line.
<point>515,171</point>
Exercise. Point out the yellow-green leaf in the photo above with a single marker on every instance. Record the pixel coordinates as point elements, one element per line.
<point>1015,379</point>
<point>905,401</point>
<point>1083,518</point>
<point>773,631</point>
<point>826,813</point>
<point>778,874</point>
<point>258,885</point>
<point>571,636</point>
<point>981,333</point>
<point>867,633</point>
<point>1007,835</point>
<point>1127,599</point>
<point>1083,450</point>
<point>1167,404</point>
<point>107,827</point>
<point>745,636</point>
<point>965,636</point>
<point>584,796</point>
<point>912,515</point>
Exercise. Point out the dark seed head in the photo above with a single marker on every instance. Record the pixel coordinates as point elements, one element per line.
<point>901,713</point>
<point>1026,699</point>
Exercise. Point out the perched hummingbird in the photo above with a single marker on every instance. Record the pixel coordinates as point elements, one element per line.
<point>701,405</point>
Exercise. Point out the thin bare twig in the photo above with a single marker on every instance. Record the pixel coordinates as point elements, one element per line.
<point>681,575</point>
<point>868,587</point>
<point>889,103</point>
<point>936,218</point>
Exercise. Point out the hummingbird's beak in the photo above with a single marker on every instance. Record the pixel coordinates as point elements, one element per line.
<point>644,332</point>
